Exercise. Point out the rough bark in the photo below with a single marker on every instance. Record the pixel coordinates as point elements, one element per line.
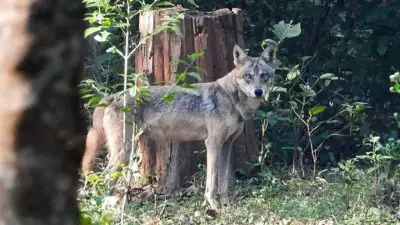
<point>215,33</point>
<point>41,135</point>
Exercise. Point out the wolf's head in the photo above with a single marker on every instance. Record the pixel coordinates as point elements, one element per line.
<point>255,75</point>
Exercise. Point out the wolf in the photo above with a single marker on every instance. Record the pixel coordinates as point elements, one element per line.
<point>213,112</point>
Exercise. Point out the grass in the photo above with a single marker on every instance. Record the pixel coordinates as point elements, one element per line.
<point>257,201</point>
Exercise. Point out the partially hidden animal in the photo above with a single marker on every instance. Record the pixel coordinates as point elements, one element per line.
<point>211,111</point>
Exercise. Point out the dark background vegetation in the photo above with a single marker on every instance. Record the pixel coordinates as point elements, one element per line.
<point>358,41</point>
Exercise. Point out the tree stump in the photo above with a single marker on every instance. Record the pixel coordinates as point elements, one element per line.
<point>42,134</point>
<point>215,33</point>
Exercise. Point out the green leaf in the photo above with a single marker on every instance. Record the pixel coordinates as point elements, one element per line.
<point>85,220</point>
<point>327,82</point>
<point>94,100</point>
<point>106,22</point>
<point>112,49</point>
<point>195,75</point>
<point>328,76</point>
<point>372,169</point>
<point>165,4</point>
<point>279,29</point>
<point>317,110</point>
<point>84,90</point>
<point>361,156</point>
<point>102,37</point>
<point>293,31</point>
<point>279,89</point>
<point>293,73</point>
<point>107,219</point>
<point>261,114</point>
<point>263,174</point>
<point>196,55</point>
<point>126,109</point>
<point>133,91</point>
<point>284,30</point>
<point>180,76</point>
<point>143,90</point>
<point>88,96</point>
<point>169,97</point>
<point>193,3</point>
<point>396,87</point>
<point>387,157</point>
<point>91,30</point>
<point>394,77</point>
<point>308,91</point>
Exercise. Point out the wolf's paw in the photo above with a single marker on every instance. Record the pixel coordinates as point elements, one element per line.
<point>224,200</point>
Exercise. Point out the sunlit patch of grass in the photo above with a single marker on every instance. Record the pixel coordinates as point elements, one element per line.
<point>293,201</point>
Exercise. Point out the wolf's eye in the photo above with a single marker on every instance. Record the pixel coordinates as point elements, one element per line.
<point>248,76</point>
<point>265,76</point>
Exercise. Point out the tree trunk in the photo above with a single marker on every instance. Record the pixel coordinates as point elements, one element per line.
<point>215,33</point>
<point>41,135</point>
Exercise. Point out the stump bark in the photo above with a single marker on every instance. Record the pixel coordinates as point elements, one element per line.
<point>215,33</point>
<point>42,134</point>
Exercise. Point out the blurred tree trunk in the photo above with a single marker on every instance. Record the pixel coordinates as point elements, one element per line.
<point>41,135</point>
<point>215,33</point>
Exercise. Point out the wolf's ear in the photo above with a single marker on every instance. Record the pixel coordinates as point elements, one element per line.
<point>239,56</point>
<point>269,53</point>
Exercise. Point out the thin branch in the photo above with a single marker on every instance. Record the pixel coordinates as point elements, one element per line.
<point>323,122</point>
<point>301,119</point>
<point>120,53</point>
<point>125,97</point>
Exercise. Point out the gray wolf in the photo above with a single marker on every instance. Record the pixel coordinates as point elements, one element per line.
<point>214,112</point>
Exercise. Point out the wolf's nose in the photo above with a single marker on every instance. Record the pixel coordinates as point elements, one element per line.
<point>258,92</point>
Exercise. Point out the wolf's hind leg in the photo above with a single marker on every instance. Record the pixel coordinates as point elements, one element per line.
<point>94,140</point>
<point>113,128</point>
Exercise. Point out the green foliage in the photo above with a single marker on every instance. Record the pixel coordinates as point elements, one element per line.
<point>111,24</point>
<point>377,156</point>
<point>349,171</point>
<point>284,30</point>
<point>94,200</point>
<point>378,160</point>
<point>184,78</point>
<point>395,79</point>
<point>298,111</point>
<point>354,42</point>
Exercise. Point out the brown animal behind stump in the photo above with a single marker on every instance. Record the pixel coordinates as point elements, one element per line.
<point>215,33</point>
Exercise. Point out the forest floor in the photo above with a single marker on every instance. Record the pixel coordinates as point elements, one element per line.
<point>271,200</point>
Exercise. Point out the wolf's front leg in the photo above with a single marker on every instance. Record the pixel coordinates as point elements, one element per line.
<point>213,153</point>
<point>224,174</point>
<point>225,168</point>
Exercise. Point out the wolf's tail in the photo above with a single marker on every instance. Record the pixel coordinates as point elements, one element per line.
<point>95,138</point>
